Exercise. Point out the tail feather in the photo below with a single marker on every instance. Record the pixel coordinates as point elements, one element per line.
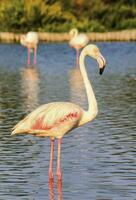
<point>17,130</point>
<point>20,128</point>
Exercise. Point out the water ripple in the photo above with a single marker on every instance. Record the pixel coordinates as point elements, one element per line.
<point>98,160</point>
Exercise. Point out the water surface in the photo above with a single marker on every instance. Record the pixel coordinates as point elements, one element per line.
<point>98,159</point>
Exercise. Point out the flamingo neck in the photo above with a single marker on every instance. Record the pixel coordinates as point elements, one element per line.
<point>73,33</point>
<point>23,41</point>
<point>92,103</point>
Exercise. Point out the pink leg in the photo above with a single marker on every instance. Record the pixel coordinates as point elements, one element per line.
<point>59,173</point>
<point>77,57</point>
<point>51,159</point>
<point>35,56</point>
<point>28,57</point>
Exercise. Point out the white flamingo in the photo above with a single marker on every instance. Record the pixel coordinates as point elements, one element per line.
<point>30,40</point>
<point>77,41</point>
<point>58,118</point>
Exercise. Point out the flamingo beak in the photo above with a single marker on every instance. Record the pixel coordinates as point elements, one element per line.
<point>102,62</point>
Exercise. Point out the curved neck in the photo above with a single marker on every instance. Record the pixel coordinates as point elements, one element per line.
<point>74,33</point>
<point>23,41</point>
<point>92,103</point>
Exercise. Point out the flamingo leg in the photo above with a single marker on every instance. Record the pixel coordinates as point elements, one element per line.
<point>77,57</point>
<point>59,173</point>
<point>51,159</point>
<point>28,56</point>
<point>35,56</point>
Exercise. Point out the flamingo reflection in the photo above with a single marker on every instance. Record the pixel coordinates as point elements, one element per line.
<point>30,87</point>
<point>77,89</point>
<point>51,189</point>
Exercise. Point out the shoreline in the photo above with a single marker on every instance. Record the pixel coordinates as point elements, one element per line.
<point>124,35</point>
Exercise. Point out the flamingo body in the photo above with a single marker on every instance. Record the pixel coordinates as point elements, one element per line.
<point>30,40</point>
<point>52,119</point>
<point>79,41</point>
<point>32,37</point>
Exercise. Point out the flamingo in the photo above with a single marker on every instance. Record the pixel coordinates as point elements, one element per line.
<point>30,40</point>
<point>58,118</point>
<point>77,41</point>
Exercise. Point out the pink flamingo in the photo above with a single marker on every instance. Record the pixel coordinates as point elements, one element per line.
<point>58,118</point>
<point>30,40</point>
<point>77,41</point>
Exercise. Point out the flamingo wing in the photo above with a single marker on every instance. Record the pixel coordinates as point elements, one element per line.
<point>53,119</point>
<point>80,40</point>
<point>32,37</point>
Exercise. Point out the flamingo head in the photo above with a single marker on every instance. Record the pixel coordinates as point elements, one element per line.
<point>93,51</point>
<point>73,32</point>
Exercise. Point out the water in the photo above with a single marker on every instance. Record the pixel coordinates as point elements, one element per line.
<point>98,159</point>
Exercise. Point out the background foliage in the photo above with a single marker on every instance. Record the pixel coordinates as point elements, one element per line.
<point>62,15</point>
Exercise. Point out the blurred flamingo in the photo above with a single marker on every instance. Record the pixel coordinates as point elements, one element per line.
<point>77,41</point>
<point>30,40</point>
<point>58,118</point>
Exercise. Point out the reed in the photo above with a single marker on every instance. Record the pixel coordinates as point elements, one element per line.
<point>125,35</point>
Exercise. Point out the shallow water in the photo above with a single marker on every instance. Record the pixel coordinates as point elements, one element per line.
<point>98,159</point>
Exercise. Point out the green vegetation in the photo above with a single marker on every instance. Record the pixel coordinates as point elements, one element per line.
<point>62,15</point>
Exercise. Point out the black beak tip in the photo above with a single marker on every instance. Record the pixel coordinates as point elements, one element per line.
<point>101,70</point>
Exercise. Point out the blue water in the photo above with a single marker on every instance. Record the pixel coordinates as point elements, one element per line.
<point>98,159</point>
